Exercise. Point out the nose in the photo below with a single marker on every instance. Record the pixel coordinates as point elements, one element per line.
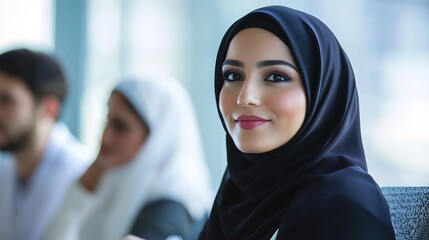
<point>250,94</point>
<point>107,135</point>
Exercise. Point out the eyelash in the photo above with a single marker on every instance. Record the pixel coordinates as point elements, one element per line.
<point>119,126</point>
<point>282,75</point>
<point>227,74</point>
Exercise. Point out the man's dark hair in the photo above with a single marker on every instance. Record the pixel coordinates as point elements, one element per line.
<point>40,72</point>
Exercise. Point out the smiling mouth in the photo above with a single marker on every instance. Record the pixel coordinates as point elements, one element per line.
<point>248,122</point>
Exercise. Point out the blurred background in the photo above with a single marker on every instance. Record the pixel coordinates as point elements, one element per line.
<point>99,41</point>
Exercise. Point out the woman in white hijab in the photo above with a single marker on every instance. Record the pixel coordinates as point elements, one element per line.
<point>149,178</point>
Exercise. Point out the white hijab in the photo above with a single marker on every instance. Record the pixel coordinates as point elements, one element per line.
<point>170,164</point>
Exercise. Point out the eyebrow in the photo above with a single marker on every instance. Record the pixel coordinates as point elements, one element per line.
<point>233,63</point>
<point>260,64</point>
<point>268,63</point>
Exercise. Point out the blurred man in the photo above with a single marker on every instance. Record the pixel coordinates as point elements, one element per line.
<point>44,157</point>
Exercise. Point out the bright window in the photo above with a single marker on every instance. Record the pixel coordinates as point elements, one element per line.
<point>26,23</point>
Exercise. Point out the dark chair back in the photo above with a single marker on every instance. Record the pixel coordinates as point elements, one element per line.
<point>409,209</point>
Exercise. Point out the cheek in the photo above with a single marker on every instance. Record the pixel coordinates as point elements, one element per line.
<point>25,109</point>
<point>20,118</point>
<point>121,147</point>
<point>289,106</point>
<point>129,144</point>
<point>15,115</point>
<point>227,100</point>
<point>8,119</point>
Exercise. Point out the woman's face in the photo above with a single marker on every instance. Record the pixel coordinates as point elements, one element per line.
<point>124,134</point>
<point>262,100</point>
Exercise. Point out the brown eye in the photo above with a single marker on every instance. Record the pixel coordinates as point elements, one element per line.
<point>231,76</point>
<point>120,126</point>
<point>277,77</point>
<point>6,99</point>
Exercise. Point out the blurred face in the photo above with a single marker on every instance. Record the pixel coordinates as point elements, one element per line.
<point>262,100</point>
<point>18,113</point>
<point>124,134</point>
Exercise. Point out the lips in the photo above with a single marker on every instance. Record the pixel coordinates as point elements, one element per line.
<point>250,121</point>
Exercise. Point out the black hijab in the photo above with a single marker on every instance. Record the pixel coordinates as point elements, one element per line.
<point>257,189</point>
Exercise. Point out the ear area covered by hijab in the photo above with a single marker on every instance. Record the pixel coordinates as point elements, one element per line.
<point>258,190</point>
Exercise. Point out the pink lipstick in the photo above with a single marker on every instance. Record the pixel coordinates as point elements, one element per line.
<point>250,121</point>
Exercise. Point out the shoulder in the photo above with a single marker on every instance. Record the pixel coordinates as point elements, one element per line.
<point>346,204</point>
<point>161,219</point>
<point>351,184</point>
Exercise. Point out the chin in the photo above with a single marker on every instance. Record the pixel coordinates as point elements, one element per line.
<point>259,147</point>
<point>252,149</point>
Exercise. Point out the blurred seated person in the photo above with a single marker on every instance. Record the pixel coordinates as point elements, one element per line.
<point>41,157</point>
<point>149,178</point>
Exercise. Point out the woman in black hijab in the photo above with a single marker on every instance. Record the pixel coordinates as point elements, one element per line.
<point>287,98</point>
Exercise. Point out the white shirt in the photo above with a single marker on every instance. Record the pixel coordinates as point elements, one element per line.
<point>27,211</point>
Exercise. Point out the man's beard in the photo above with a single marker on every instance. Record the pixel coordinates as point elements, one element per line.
<point>20,141</point>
